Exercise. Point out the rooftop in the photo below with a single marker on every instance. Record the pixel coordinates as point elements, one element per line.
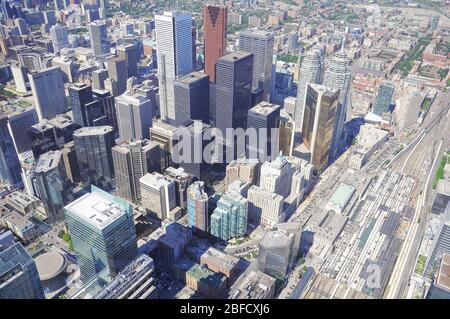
<point>264,108</point>
<point>48,161</point>
<point>191,77</point>
<point>51,264</point>
<point>233,56</point>
<point>155,180</point>
<point>341,197</point>
<point>93,130</point>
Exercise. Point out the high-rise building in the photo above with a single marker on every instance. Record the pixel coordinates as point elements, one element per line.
<point>19,278</point>
<point>134,116</point>
<point>233,92</point>
<point>69,155</point>
<point>338,76</point>
<point>47,87</point>
<point>22,25</point>
<point>246,170</point>
<point>319,119</point>
<point>99,38</point>
<point>9,161</point>
<point>286,133</point>
<point>215,31</point>
<point>191,98</point>
<point>128,52</point>
<point>18,123</point>
<point>93,146</point>
<point>384,98</point>
<point>197,206</point>
<point>275,253</point>
<point>264,207</point>
<point>158,194</point>
<point>108,104</point>
<point>50,184</point>
<point>182,181</point>
<point>117,74</point>
<point>132,160</point>
<point>311,71</point>
<point>59,36</point>
<point>98,78</point>
<point>276,176</point>
<point>86,111</point>
<point>229,219</point>
<point>167,137</point>
<point>264,118</point>
<point>260,43</point>
<point>103,234</point>
<point>174,56</point>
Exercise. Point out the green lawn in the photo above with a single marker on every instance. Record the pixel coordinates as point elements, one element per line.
<point>289,58</point>
<point>440,171</point>
<point>420,265</point>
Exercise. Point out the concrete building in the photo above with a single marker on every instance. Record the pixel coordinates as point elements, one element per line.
<point>246,170</point>
<point>340,198</point>
<point>276,176</point>
<point>265,208</point>
<point>407,109</point>
<point>117,75</point>
<point>260,43</point>
<point>59,36</point>
<point>257,285</point>
<point>174,55</point>
<point>132,160</point>
<point>129,53</point>
<point>99,38</point>
<point>103,234</point>
<point>19,278</point>
<point>134,116</point>
<point>197,207</point>
<point>98,78</point>
<point>182,181</point>
<point>48,92</point>
<point>158,194</point>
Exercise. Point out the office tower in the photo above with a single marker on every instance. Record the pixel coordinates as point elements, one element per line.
<point>134,116</point>
<point>264,118</point>
<point>191,98</point>
<point>18,123</point>
<point>132,160</point>
<point>9,162</point>
<point>86,111</point>
<point>292,230</point>
<point>127,28</point>
<point>239,187</point>
<point>246,170</point>
<point>319,119</point>
<point>158,194</point>
<point>22,25</point>
<point>275,253</point>
<point>135,281</point>
<point>193,141</point>
<point>50,184</point>
<point>233,91</point>
<point>59,36</point>
<point>167,137</point>
<point>260,43</point>
<point>19,278</point>
<point>197,206</point>
<point>99,38</point>
<point>311,71</point>
<point>229,219</point>
<point>92,15</point>
<point>103,234</point>
<point>182,181</point>
<point>20,80</point>
<point>93,146</point>
<point>174,56</point>
<point>98,78</point>
<point>407,109</point>
<point>108,104</point>
<point>117,72</point>
<point>49,17</point>
<point>286,133</point>
<point>265,208</point>
<point>70,161</point>
<point>338,76</point>
<point>47,87</point>
<point>276,176</point>
<point>215,32</point>
<point>384,98</point>
<point>129,53</point>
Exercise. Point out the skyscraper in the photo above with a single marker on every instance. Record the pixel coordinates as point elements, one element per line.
<point>311,71</point>
<point>93,146</point>
<point>197,206</point>
<point>98,78</point>
<point>260,43</point>
<point>264,207</point>
<point>338,76</point>
<point>233,91</point>
<point>59,36</point>
<point>275,251</point>
<point>134,115</point>
<point>9,161</point>
<point>103,234</point>
<point>117,73</point>
<point>128,52</point>
<point>108,104</point>
<point>99,38</point>
<point>276,176</point>
<point>158,194</point>
<point>50,184</point>
<point>19,278</point>
<point>18,123</point>
<point>384,98</point>
<point>319,119</point>
<point>86,111</point>
<point>132,160</point>
<point>47,87</point>
<point>191,98</point>
<point>174,56</point>
<point>229,219</point>
<point>215,31</point>
<point>263,117</point>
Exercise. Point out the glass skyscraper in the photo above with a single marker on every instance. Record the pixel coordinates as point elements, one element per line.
<point>384,98</point>
<point>9,161</point>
